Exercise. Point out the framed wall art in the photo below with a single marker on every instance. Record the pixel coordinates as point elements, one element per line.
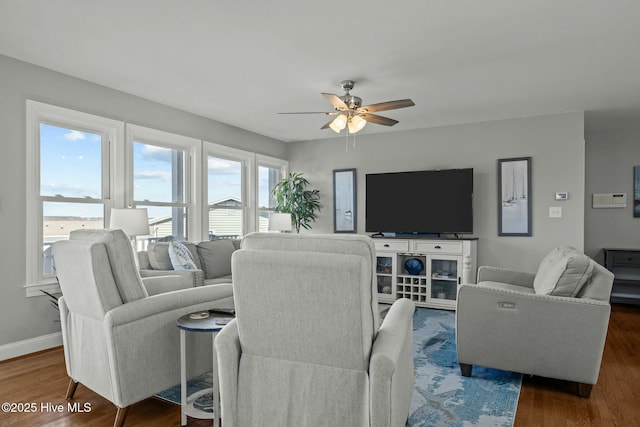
<point>514,197</point>
<point>344,201</point>
<point>636,191</point>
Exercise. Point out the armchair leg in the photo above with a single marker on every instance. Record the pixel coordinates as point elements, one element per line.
<point>584,390</point>
<point>120,416</point>
<point>71,388</point>
<point>465,369</point>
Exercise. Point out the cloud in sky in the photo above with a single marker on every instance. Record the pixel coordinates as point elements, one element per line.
<point>160,175</point>
<point>223,167</point>
<point>153,152</point>
<point>74,135</point>
<point>69,190</point>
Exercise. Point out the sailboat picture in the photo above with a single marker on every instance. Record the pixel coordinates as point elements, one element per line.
<point>514,178</point>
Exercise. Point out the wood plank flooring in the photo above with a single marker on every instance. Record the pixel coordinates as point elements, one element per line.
<point>615,399</point>
<point>41,378</point>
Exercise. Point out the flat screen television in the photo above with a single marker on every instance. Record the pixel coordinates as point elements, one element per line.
<point>420,202</point>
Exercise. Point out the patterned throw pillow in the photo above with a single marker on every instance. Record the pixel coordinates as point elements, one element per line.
<point>181,258</point>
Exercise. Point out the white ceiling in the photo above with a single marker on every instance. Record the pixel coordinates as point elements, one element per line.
<point>242,62</point>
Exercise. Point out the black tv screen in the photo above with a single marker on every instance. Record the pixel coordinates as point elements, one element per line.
<point>420,202</point>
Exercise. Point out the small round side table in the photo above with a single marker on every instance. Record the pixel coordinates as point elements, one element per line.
<point>199,322</point>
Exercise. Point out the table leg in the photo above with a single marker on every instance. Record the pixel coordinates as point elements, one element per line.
<point>216,386</point>
<point>183,377</point>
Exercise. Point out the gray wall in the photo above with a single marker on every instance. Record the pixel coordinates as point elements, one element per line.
<point>610,158</point>
<point>22,318</point>
<point>555,143</point>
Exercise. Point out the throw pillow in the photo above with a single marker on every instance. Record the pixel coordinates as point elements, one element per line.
<point>181,258</point>
<point>215,256</point>
<point>563,272</point>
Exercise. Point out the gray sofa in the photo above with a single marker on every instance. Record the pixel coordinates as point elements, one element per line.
<point>552,323</point>
<point>212,259</point>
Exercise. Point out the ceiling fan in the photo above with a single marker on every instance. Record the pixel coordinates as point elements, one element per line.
<point>350,112</point>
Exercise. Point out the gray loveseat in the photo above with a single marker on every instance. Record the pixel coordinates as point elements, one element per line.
<point>552,323</point>
<point>212,259</point>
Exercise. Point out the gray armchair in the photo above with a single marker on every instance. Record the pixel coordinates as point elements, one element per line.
<point>551,324</point>
<point>118,341</point>
<point>306,348</point>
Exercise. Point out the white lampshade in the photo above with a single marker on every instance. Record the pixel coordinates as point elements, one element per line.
<point>134,222</point>
<point>280,221</point>
<point>338,123</point>
<point>356,123</point>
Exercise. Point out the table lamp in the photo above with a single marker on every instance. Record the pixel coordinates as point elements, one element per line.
<point>134,222</point>
<point>279,221</point>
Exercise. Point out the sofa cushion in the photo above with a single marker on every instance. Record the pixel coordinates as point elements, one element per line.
<point>159,256</point>
<point>215,256</point>
<point>562,272</point>
<point>180,256</point>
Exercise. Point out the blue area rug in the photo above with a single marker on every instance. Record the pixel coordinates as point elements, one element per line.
<point>199,383</point>
<point>442,396</point>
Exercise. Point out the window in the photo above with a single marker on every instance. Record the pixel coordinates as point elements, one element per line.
<point>231,176</point>
<point>270,172</point>
<point>161,180</point>
<point>69,157</point>
<point>226,187</point>
<point>79,166</point>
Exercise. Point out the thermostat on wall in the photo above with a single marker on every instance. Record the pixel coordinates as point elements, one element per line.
<point>610,200</point>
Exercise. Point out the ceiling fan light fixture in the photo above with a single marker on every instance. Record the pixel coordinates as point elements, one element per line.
<point>356,123</point>
<point>338,123</point>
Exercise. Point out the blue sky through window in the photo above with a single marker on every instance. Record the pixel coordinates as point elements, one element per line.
<point>71,166</point>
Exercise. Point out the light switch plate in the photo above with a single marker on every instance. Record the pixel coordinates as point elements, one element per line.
<point>555,212</point>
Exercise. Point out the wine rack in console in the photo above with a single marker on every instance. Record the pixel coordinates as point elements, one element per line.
<point>426,271</point>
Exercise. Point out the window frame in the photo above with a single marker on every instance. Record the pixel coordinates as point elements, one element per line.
<point>246,163</point>
<point>112,133</point>
<point>269,162</point>
<point>192,173</point>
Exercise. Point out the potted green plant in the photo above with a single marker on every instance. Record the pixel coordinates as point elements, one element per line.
<point>292,196</point>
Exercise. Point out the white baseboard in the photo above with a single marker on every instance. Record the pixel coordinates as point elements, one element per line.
<point>20,348</point>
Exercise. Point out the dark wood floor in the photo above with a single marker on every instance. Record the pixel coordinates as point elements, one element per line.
<point>40,378</point>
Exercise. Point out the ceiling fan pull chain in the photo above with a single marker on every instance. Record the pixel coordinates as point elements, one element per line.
<point>346,143</point>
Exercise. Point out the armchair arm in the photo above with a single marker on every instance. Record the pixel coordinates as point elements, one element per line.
<point>550,336</point>
<point>145,330</point>
<point>191,278</point>
<point>161,284</point>
<point>229,351</point>
<point>391,367</point>
<point>161,304</point>
<point>504,275</point>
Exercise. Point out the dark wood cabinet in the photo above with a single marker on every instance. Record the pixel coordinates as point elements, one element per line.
<point>625,265</point>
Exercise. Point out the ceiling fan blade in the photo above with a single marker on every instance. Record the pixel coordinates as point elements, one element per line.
<point>379,120</point>
<point>312,112</point>
<point>390,105</point>
<point>335,101</point>
<point>326,125</point>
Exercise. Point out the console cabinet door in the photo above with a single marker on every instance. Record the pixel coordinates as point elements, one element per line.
<point>385,272</point>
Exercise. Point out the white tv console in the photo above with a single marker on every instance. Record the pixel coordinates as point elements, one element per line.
<point>446,264</point>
